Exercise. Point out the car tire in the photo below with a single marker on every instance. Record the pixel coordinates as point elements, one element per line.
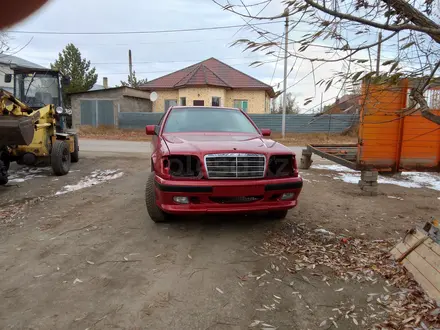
<point>60,157</point>
<point>3,174</point>
<point>155,213</point>
<point>74,156</point>
<point>278,215</point>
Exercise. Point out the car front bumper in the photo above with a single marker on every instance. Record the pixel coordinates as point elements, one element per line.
<point>227,196</point>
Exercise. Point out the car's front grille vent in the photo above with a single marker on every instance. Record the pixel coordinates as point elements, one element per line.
<point>236,200</point>
<point>235,166</point>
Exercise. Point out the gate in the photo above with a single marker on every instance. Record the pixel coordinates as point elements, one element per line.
<point>97,112</point>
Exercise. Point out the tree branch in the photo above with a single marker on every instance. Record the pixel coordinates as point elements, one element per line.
<point>433,32</point>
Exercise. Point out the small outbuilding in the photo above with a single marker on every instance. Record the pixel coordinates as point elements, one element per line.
<point>101,107</point>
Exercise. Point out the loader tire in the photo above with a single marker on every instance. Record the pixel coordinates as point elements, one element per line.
<point>60,157</point>
<point>3,174</point>
<point>74,156</point>
<point>156,214</point>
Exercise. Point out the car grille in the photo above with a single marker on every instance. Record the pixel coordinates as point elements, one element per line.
<point>236,200</point>
<point>235,166</point>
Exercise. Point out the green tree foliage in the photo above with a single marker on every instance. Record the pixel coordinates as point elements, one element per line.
<point>71,64</point>
<point>132,81</point>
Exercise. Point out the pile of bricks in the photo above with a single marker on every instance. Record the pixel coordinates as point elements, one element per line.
<point>368,182</point>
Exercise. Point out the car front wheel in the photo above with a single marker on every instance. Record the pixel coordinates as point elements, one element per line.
<point>278,215</point>
<point>156,214</point>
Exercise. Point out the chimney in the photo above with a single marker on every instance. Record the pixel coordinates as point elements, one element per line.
<point>105,82</point>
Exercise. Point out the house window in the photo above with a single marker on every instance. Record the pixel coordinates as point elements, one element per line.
<point>199,103</point>
<point>215,101</point>
<point>170,103</point>
<point>183,101</point>
<point>241,104</point>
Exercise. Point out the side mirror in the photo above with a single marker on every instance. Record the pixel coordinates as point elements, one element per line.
<point>8,78</point>
<point>266,132</point>
<point>65,81</point>
<point>150,129</point>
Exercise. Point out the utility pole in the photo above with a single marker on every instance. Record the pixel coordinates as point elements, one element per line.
<point>379,47</point>
<point>322,94</point>
<point>283,129</point>
<point>130,65</point>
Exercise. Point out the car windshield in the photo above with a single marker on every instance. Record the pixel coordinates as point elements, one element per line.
<point>207,120</point>
<point>37,89</point>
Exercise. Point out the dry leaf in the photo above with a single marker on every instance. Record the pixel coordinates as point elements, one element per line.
<point>90,262</point>
<point>323,323</point>
<point>77,280</point>
<point>277,297</point>
<point>355,321</point>
<point>255,323</point>
<point>189,256</point>
<point>306,279</point>
<point>339,290</point>
<point>219,290</point>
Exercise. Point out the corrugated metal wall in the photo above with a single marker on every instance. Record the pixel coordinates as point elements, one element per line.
<point>294,123</point>
<point>97,112</point>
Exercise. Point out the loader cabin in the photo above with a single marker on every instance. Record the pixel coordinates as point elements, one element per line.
<point>38,87</point>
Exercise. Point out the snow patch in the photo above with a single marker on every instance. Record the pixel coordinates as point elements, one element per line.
<point>28,173</point>
<point>407,180</point>
<point>96,177</point>
<point>333,167</point>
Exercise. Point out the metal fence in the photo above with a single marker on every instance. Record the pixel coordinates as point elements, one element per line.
<point>294,123</point>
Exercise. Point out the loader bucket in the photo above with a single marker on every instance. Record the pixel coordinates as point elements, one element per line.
<point>16,130</point>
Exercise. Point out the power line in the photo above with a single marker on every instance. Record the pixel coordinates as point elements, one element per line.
<point>164,71</point>
<point>182,61</point>
<point>139,32</point>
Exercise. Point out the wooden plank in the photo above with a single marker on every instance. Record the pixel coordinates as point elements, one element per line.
<point>433,246</point>
<point>424,251</point>
<point>412,239</point>
<point>430,256</point>
<point>431,290</point>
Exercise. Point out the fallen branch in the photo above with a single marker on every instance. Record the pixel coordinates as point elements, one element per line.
<point>77,229</point>
<point>102,318</point>
<point>119,261</point>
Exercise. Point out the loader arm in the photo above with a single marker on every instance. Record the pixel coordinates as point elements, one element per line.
<point>17,121</point>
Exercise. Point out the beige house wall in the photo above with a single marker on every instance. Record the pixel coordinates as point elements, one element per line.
<point>202,93</point>
<point>258,101</point>
<point>162,95</point>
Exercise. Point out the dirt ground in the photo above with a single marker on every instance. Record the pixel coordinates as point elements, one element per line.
<point>294,139</point>
<point>92,258</point>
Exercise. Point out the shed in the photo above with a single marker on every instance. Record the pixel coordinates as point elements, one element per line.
<point>101,107</point>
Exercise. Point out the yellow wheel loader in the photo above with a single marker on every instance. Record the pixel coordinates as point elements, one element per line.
<point>33,128</point>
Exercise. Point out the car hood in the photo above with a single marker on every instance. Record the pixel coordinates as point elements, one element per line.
<point>204,143</point>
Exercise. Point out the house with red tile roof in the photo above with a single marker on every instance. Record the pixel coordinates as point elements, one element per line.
<point>210,83</point>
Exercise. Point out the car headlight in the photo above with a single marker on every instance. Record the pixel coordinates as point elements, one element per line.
<point>59,110</point>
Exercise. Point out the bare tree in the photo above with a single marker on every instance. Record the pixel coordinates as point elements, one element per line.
<point>347,31</point>
<point>292,107</point>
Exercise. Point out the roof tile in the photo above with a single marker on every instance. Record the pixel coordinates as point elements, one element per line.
<point>210,72</point>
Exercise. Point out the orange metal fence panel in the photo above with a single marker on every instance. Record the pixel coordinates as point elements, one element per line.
<point>392,138</point>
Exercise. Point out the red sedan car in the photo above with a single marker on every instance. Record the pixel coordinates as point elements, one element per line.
<point>216,160</point>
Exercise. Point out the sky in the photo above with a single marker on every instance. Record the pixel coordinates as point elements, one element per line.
<point>157,54</point>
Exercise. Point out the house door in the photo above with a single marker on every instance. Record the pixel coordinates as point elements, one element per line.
<point>199,103</point>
